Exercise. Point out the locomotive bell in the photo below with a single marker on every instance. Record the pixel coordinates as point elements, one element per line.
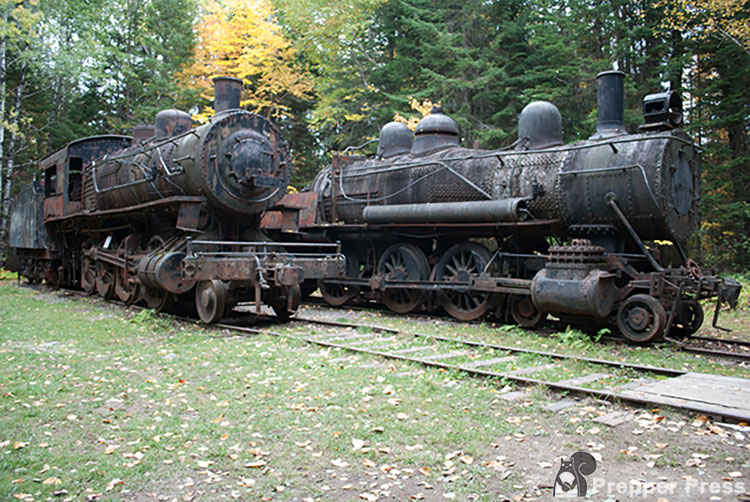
<point>170,123</point>
<point>436,131</point>
<point>395,139</point>
<point>539,126</point>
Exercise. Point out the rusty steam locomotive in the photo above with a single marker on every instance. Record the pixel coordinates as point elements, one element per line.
<point>171,213</point>
<point>542,228</point>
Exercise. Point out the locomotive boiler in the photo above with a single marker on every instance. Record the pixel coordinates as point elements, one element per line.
<point>540,228</point>
<point>172,211</point>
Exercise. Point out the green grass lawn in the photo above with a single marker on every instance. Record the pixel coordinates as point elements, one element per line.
<point>100,403</point>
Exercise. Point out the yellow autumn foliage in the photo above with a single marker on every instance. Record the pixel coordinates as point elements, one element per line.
<point>424,108</point>
<point>241,38</point>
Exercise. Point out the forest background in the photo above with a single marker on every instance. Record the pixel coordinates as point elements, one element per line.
<point>332,72</point>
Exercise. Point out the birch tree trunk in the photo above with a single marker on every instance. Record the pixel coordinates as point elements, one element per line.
<point>3,73</point>
<point>13,140</point>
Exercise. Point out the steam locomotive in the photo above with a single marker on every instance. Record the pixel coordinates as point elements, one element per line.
<point>542,228</point>
<point>169,214</point>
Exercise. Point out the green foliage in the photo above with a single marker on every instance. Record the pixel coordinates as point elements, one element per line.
<point>149,320</point>
<point>578,340</point>
<point>6,275</point>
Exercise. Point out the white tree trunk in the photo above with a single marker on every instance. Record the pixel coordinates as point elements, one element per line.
<point>7,175</point>
<point>3,72</point>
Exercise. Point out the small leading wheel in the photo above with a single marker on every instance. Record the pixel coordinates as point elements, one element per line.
<point>689,318</point>
<point>641,318</point>
<point>524,312</point>
<point>286,303</point>
<point>338,294</point>
<point>211,300</point>
<point>403,262</point>
<point>157,299</point>
<point>459,264</point>
<point>105,280</point>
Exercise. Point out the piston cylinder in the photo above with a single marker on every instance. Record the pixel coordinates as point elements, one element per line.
<point>164,272</point>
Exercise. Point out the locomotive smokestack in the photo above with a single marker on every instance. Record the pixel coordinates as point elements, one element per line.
<point>227,92</point>
<point>610,99</point>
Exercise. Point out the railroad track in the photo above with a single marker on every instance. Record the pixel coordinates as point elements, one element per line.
<point>738,350</point>
<point>599,378</point>
<point>715,396</point>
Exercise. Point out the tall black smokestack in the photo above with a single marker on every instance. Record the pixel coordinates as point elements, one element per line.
<point>227,92</point>
<point>610,99</point>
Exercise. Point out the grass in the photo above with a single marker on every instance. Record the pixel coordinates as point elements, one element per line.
<point>99,402</point>
<point>162,406</point>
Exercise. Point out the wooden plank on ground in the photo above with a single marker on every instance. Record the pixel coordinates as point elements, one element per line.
<point>447,355</point>
<point>593,377</point>
<point>714,394</point>
<point>486,362</point>
<point>527,371</point>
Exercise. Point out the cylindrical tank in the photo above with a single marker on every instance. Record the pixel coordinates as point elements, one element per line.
<point>238,162</point>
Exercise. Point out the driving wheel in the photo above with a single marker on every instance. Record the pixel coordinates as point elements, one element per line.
<point>403,262</point>
<point>105,280</point>
<point>458,264</point>
<point>338,294</point>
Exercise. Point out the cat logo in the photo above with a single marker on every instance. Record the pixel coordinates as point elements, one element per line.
<point>571,475</point>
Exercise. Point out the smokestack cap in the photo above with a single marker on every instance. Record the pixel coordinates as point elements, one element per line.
<point>227,94</point>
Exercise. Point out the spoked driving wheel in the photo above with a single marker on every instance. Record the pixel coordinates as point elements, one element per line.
<point>524,312</point>
<point>105,280</point>
<point>641,318</point>
<point>88,271</point>
<point>459,264</point>
<point>403,262</point>
<point>211,300</point>
<point>127,288</point>
<point>338,294</point>
<point>689,318</point>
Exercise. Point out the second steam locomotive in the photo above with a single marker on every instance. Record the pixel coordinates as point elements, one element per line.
<point>543,228</point>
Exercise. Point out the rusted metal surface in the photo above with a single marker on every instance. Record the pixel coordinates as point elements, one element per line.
<point>293,212</point>
<point>27,219</point>
<point>573,281</point>
<point>262,262</point>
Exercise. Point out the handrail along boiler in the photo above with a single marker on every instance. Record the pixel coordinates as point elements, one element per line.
<point>414,220</point>
<point>170,213</point>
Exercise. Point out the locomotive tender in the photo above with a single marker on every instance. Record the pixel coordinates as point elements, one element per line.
<point>160,216</point>
<point>414,219</point>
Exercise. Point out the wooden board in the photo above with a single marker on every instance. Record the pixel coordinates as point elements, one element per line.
<point>711,394</point>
